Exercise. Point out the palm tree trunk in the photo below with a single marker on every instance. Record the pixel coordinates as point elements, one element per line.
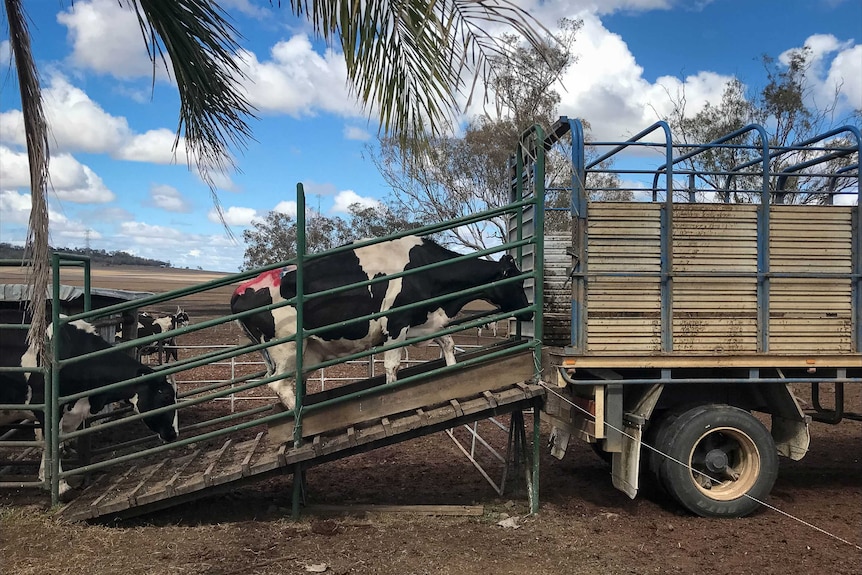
<point>36,130</point>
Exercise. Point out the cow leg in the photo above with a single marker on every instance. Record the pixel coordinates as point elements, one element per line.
<point>282,359</point>
<point>70,421</point>
<point>447,346</point>
<point>171,352</point>
<point>391,363</point>
<point>64,485</point>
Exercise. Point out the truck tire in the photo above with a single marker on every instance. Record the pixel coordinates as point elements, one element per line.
<point>658,433</point>
<point>722,461</point>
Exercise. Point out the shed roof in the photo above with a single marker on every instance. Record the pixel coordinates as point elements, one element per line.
<point>21,292</point>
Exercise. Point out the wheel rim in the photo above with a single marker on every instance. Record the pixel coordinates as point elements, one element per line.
<point>725,463</point>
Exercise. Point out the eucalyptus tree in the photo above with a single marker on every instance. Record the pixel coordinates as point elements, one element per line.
<point>786,108</point>
<point>458,175</point>
<point>407,60</point>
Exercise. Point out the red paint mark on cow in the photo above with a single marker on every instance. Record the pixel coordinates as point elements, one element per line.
<point>266,280</point>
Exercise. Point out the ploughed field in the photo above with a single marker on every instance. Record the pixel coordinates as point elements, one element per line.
<point>584,524</point>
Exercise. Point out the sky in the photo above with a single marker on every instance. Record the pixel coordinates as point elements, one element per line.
<point>117,185</point>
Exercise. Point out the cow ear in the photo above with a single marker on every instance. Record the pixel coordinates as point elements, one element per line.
<point>510,268</point>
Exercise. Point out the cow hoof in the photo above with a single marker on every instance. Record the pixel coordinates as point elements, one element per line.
<point>68,493</point>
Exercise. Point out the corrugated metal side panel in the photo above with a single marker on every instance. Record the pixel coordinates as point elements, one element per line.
<point>558,290</point>
<point>810,315</point>
<point>713,314</point>
<point>624,313</point>
<point>527,262</point>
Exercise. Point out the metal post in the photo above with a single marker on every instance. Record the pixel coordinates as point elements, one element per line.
<point>539,247</point>
<point>300,346</point>
<point>667,251</point>
<point>579,208</point>
<point>534,492</point>
<point>51,435</point>
<point>763,281</point>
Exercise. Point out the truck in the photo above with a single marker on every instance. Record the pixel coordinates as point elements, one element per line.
<point>689,290</point>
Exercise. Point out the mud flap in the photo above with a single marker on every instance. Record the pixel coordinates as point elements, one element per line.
<point>558,442</point>
<point>791,436</point>
<point>626,464</point>
<point>789,422</point>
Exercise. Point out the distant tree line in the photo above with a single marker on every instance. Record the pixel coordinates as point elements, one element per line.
<point>100,257</point>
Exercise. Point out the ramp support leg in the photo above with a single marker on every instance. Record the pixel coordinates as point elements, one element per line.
<point>534,488</point>
<point>520,455</point>
<point>517,439</point>
<point>298,480</point>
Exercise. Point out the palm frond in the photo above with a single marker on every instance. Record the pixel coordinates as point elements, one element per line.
<point>36,130</point>
<point>195,41</point>
<point>412,58</point>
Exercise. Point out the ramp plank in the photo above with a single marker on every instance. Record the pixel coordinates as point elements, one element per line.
<point>173,480</point>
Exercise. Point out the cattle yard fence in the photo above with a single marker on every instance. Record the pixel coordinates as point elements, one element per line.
<point>126,447</point>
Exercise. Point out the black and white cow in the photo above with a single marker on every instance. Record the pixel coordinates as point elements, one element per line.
<point>76,339</point>
<point>362,264</point>
<point>151,325</point>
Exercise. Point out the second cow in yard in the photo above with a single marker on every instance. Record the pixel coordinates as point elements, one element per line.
<point>151,325</point>
<point>75,339</point>
<point>333,311</point>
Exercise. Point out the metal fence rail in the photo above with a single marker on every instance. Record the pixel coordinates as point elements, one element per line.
<point>240,420</point>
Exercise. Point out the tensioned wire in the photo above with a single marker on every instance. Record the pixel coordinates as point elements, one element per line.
<point>763,503</point>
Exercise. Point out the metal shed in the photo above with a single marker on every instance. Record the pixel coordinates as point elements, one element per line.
<point>72,302</point>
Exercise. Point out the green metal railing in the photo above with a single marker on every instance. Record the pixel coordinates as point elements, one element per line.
<point>527,197</point>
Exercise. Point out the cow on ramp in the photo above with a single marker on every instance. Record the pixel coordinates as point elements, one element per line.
<point>332,311</point>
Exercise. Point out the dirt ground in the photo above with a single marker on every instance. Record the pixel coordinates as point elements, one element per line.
<point>813,524</point>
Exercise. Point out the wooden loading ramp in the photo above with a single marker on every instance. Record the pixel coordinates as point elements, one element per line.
<point>479,391</point>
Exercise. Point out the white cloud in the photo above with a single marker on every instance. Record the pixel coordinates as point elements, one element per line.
<point>74,182</point>
<point>63,231</point>
<point>169,199</point>
<point>14,170</point>
<point>846,199</point>
<point>154,146</point>
<point>835,65</point>
<point>313,188</point>
<point>78,124</point>
<point>106,38</point>
<point>234,216</point>
<point>15,207</point>
<point>846,71</point>
<point>209,252</point>
<point>346,198</point>
<point>12,128</point>
<point>298,81</point>
<point>607,88</point>
<point>110,214</point>
<point>247,8</point>
<point>69,180</point>
<point>356,133</point>
<point>220,180</point>
<point>5,53</point>
<point>160,235</point>
<point>286,207</point>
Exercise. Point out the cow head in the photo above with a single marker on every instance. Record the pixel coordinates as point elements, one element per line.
<point>153,394</point>
<point>179,319</point>
<point>510,296</point>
